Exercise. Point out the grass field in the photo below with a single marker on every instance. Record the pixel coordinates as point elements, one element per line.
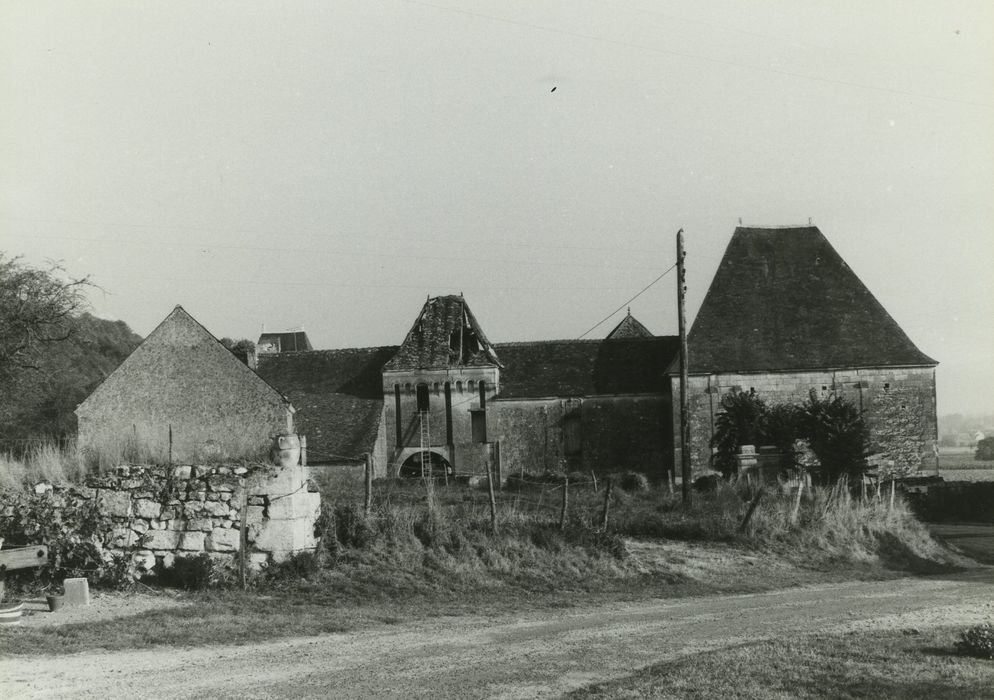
<point>904,664</point>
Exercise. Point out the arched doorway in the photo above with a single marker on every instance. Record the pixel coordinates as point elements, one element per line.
<point>412,466</point>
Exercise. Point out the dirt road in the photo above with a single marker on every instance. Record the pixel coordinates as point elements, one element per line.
<point>535,655</point>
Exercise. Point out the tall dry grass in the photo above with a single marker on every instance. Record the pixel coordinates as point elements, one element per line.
<point>45,462</point>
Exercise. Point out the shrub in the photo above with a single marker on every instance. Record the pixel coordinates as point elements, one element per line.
<point>351,526</point>
<point>633,481</point>
<point>193,573</point>
<point>838,435</point>
<point>977,641</point>
<point>985,449</point>
<point>740,422</point>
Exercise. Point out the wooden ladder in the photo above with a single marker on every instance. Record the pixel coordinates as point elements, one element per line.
<point>425,445</point>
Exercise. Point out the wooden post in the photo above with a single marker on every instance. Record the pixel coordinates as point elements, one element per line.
<point>493,499</point>
<point>671,480</point>
<point>243,540</point>
<point>752,509</point>
<point>368,506</point>
<point>565,511</point>
<point>891,507</point>
<point>607,503</point>
<point>170,445</point>
<point>684,369</point>
<point>797,502</point>
<point>593,475</point>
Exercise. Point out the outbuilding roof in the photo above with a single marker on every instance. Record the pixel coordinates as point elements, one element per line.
<point>586,367</point>
<point>338,395</point>
<point>784,299</point>
<point>446,334</point>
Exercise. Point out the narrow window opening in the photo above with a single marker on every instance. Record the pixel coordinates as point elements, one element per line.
<point>423,403</point>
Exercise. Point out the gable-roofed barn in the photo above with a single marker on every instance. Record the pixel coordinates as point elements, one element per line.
<point>785,315</point>
<point>182,393</point>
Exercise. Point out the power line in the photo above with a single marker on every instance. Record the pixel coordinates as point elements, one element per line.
<point>640,293</point>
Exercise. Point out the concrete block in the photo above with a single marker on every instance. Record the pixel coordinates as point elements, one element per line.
<point>286,535</point>
<point>255,514</point>
<point>183,472</point>
<point>77,591</point>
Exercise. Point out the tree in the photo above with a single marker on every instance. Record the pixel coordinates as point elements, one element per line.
<point>985,449</point>
<point>37,306</point>
<point>741,422</point>
<point>241,349</point>
<point>838,435</point>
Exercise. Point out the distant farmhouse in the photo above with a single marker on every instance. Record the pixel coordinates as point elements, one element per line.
<point>784,316</point>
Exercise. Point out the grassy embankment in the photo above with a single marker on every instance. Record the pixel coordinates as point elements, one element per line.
<point>904,663</point>
<point>420,555</point>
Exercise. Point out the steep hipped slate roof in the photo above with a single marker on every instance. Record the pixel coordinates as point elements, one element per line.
<point>783,299</point>
<point>434,340</point>
<point>338,395</point>
<point>292,341</point>
<point>585,367</point>
<point>630,327</point>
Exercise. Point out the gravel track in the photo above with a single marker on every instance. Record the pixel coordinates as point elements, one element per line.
<point>540,654</point>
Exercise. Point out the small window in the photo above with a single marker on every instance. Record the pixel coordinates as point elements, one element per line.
<point>472,386</point>
<point>824,388</point>
<point>458,387</point>
<point>408,389</point>
<point>436,388</point>
<point>422,398</point>
<point>886,386</point>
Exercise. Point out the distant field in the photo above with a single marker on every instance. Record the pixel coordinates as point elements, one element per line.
<point>958,464</point>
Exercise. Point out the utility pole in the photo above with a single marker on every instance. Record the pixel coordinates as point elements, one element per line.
<point>681,274</point>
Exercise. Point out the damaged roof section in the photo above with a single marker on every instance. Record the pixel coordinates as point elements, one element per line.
<point>338,395</point>
<point>784,299</point>
<point>445,335</point>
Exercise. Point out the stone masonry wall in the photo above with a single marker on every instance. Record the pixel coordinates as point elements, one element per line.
<point>898,404</point>
<point>157,513</point>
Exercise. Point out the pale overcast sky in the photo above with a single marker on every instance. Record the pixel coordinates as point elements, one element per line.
<point>330,164</point>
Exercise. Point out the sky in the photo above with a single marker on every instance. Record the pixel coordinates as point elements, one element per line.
<point>328,165</point>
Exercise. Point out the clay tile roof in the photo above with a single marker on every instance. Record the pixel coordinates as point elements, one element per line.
<point>338,395</point>
<point>586,367</point>
<point>783,299</point>
<point>446,334</point>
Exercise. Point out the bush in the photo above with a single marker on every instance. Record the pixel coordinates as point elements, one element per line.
<point>740,422</point>
<point>193,573</point>
<point>985,449</point>
<point>837,434</point>
<point>351,526</point>
<point>632,481</point>
<point>977,641</point>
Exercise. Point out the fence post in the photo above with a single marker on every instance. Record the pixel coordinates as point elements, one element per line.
<point>752,509</point>
<point>565,511</point>
<point>368,507</point>
<point>243,539</point>
<point>797,502</point>
<point>607,503</point>
<point>593,475</point>
<point>493,499</point>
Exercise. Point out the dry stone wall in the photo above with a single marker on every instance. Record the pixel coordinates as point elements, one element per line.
<point>157,513</point>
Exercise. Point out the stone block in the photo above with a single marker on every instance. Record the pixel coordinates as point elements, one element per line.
<point>121,537</point>
<point>223,470</point>
<point>226,497</point>
<point>156,525</point>
<point>197,496</point>
<point>222,540</point>
<point>302,504</point>
<point>284,481</point>
<point>160,539</point>
<point>201,471</point>
<point>257,560</point>
<point>239,471</point>
<point>176,524</point>
<point>146,508</point>
<point>168,559</point>
<point>256,514</point>
<point>192,541</point>
<point>216,508</point>
<point>201,524</point>
<point>140,526</point>
<point>213,496</point>
<point>143,561</point>
<point>285,536</point>
<point>183,472</point>
<point>86,492</point>
<point>77,591</point>
<point>115,503</point>
<point>256,500</point>
<point>168,513</point>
